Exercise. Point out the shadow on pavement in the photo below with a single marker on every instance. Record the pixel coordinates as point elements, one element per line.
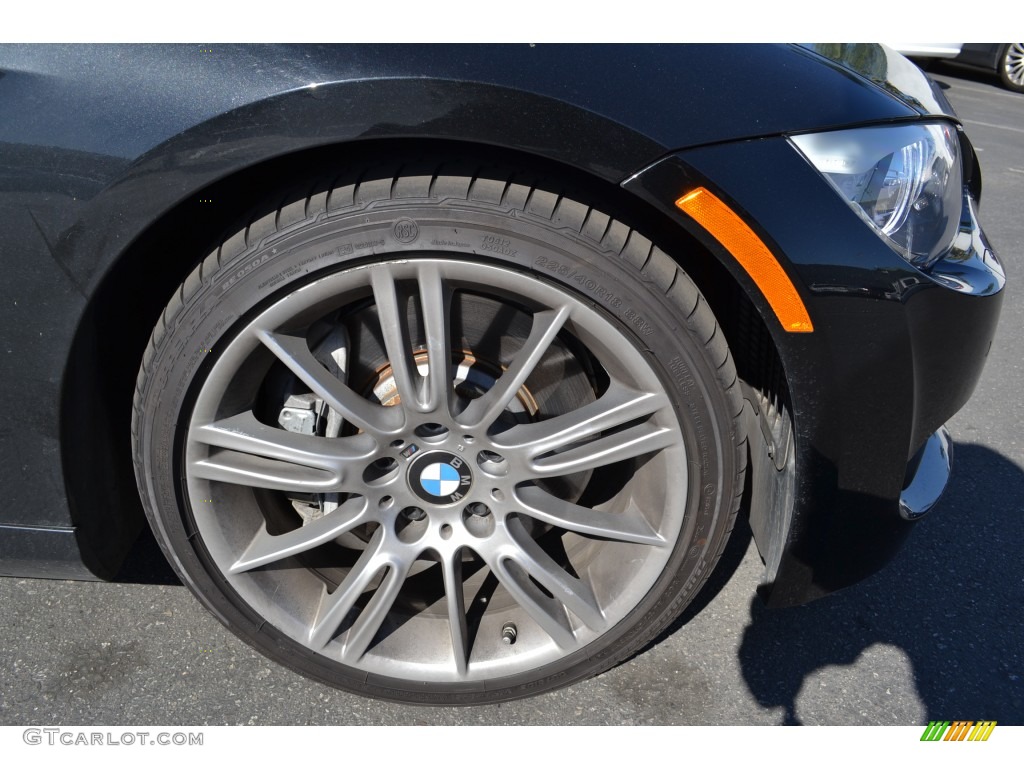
<point>964,72</point>
<point>952,601</point>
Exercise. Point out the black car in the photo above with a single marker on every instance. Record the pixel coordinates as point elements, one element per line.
<point>443,373</point>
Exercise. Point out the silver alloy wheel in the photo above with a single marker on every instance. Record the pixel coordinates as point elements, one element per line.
<point>451,537</point>
<point>1013,64</point>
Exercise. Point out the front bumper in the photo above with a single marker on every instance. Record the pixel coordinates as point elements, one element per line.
<point>895,352</point>
<point>927,476</point>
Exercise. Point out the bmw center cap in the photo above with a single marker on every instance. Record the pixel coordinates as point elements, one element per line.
<point>439,477</point>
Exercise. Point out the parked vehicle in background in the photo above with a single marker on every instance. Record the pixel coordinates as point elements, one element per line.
<point>1005,59</point>
<point>928,50</point>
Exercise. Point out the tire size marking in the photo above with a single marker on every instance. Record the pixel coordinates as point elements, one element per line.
<point>589,284</point>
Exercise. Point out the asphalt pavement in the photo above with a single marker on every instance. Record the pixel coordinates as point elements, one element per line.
<point>938,634</point>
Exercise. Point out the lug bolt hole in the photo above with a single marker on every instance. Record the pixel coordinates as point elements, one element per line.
<point>411,524</point>
<point>478,509</point>
<point>385,502</point>
<point>446,531</point>
<point>497,494</point>
<point>413,514</point>
<point>478,520</point>
<point>380,471</point>
<point>492,463</point>
<point>431,432</point>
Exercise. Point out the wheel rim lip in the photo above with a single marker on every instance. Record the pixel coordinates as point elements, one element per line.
<point>593,325</point>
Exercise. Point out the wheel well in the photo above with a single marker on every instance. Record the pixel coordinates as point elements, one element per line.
<point>115,328</point>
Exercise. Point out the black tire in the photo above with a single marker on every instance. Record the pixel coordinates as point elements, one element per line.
<point>506,258</point>
<point>1011,66</point>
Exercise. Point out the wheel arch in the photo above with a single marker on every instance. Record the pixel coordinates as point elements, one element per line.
<point>126,303</point>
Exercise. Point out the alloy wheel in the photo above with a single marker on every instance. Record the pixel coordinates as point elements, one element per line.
<point>434,470</point>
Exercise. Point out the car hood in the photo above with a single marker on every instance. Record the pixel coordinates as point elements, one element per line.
<point>889,70</point>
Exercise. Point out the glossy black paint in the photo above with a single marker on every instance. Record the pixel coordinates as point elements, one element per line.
<point>101,145</point>
<point>890,71</point>
<point>52,553</point>
<point>895,351</point>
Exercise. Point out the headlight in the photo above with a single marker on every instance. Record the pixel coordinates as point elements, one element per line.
<point>905,180</point>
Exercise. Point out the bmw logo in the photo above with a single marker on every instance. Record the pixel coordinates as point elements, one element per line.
<point>440,477</point>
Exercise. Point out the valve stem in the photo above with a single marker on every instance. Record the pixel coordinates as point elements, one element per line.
<point>508,633</point>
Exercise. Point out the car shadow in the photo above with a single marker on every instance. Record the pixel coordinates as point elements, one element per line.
<point>964,72</point>
<point>951,601</point>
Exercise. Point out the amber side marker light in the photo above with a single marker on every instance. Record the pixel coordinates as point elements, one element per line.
<point>752,254</point>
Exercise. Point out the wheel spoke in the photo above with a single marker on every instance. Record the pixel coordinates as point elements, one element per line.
<point>627,444</point>
<point>259,472</point>
<point>295,353</point>
<point>266,548</point>
<point>393,324</point>
<point>335,606</point>
<point>259,455</point>
<point>435,303</point>
<point>619,405</point>
<point>549,614</point>
<point>451,568</point>
<point>483,411</point>
<point>631,527</point>
<point>572,592</point>
<point>254,454</point>
<point>372,616</point>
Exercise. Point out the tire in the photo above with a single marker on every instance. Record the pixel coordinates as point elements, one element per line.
<point>530,512</point>
<point>1011,66</point>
